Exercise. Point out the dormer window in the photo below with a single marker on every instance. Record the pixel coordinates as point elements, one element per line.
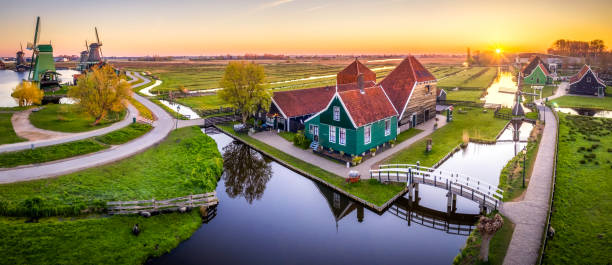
<point>336,113</point>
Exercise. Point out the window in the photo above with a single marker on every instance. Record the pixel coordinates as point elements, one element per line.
<point>428,89</point>
<point>337,113</point>
<point>367,135</point>
<point>332,134</point>
<point>311,129</point>
<point>342,136</point>
<point>387,127</point>
<point>588,79</point>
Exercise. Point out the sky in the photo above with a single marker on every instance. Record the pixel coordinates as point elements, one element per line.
<point>211,27</point>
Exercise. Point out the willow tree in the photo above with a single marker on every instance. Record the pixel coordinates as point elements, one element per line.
<point>27,93</point>
<point>101,91</point>
<point>487,228</point>
<point>243,88</point>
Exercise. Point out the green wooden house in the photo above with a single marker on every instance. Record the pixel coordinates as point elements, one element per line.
<point>354,121</point>
<point>535,72</point>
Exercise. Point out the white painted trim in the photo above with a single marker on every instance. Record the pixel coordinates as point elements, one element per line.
<point>590,70</point>
<point>279,109</point>
<point>407,101</point>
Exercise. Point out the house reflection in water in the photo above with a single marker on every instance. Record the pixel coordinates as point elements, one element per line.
<point>339,204</point>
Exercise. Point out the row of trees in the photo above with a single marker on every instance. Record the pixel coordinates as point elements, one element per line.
<point>578,48</point>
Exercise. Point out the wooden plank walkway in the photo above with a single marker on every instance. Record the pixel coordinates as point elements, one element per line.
<point>169,205</point>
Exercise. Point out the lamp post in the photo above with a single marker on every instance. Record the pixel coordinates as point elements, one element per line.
<point>178,108</point>
<point>524,169</point>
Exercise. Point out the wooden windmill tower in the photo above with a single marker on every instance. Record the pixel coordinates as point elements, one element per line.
<point>20,62</point>
<point>42,67</point>
<point>95,50</point>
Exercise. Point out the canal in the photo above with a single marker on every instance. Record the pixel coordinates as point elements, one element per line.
<point>10,79</point>
<point>269,214</point>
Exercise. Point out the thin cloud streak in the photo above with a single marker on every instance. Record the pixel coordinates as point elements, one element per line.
<point>273,4</point>
<point>315,8</point>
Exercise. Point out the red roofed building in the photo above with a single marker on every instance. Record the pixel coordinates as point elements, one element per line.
<point>412,90</point>
<point>349,74</point>
<point>586,82</point>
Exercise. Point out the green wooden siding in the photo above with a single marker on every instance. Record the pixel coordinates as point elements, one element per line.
<point>537,77</point>
<point>355,142</point>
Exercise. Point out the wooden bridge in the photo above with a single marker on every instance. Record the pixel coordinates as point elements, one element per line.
<point>486,195</point>
<point>169,205</point>
<point>209,122</point>
<point>449,222</point>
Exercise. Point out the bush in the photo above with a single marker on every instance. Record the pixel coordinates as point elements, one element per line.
<point>372,150</point>
<point>300,140</point>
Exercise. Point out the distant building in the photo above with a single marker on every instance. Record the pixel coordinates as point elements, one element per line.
<point>535,72</point>
<point>586,82</point>
<point>2,65</point>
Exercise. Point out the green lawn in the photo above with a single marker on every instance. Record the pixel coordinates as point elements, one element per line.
<point>371,191</point>
<point>582,209</point>
<point>203,102</point>
<point>71,149</point>
<point>547,91</point>
<point>106,240</point>
<point>465,95</point>
<point>287,135</point>
<point>475,122</point>
<point>473,77</point>
<point>497,247</point>
<point>68,118</point>
<point>186,162</point>
<point>604,103</point>
<point>7,134</point>
<point>407,134</point>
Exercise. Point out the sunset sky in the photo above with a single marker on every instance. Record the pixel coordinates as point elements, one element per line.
<point>186,27</point>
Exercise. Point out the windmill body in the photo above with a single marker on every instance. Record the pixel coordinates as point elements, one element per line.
<point>42,70</point>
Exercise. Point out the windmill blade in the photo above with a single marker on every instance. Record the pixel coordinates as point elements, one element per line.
<point>21,45</point>
<point>97,37</point>
<point>86,46</point>
<point>36,32</point>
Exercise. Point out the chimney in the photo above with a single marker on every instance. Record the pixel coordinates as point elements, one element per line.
<point>360,83</point>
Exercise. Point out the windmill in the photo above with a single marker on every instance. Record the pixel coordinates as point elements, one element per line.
<point>20,62</point>
<point>95,50</point>
<point>42,67</point>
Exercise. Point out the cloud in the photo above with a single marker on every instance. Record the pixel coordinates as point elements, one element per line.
<point>314,8</point>
<point>274,4</point>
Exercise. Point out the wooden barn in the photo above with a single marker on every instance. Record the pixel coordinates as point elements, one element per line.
<point>586,82</point>
<point>354,121</point>
<point>535,72</point>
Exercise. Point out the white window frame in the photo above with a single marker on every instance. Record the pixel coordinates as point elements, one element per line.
<point>387,127</point>
<point>342,137</point>
<point>367,134</point>
<point>336,113</point>
<point>332,134</point>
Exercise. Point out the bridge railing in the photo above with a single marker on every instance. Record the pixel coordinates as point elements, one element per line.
<point>456,177</point>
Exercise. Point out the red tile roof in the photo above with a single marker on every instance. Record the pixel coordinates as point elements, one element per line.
<point>349,74</point>
<point>533,63</point>
<point>368,107</point>
<point>301,102</point>
<point>399,83</point>
<point>585,69</point>
<point>544,69</point>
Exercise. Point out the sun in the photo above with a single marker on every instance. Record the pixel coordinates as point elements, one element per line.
<point>498,50</point>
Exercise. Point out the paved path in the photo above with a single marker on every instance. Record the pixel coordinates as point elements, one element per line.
<point>529,215</point>
<point>24,128</point>
<point>162,126</point>
<point>273,139</point>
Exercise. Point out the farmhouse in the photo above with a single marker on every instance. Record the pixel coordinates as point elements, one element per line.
<point>354,121</point>
<point>586,82</point>
<point>535,72</point>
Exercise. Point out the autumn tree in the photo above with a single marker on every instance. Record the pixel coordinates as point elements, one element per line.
<point>27,93</point>
<point>243,87</point>
<point>487,228</point>
<point>101,91</point>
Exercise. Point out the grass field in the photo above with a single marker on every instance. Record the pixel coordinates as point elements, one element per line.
<point>471,78</point>
<point>372,191</point>
<point>68,118</point>
<point>7,134</point>
<point>604,103</point>
<point>407,134</point>
<point>475,122</point>
<point>465,95</point>
<point>186,162</point>
<point>203,102</point>
<point>582,209</point>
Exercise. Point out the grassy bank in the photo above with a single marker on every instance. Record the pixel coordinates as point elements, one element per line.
<point>93,240</point>
<point>465,95</point>
<point>511,176</point>
<point>371,191</point>
<point>604,103</point>
<point>68,118</point>
<point>7,134</point>
<point>170,111</point>
<point>203,102</point>
<point>497,247</point>
<point>478,125</point>
<point>142,110</point>
<point>186,162</point>
<point>72,149</point>
<point>407,134</point>
<point>582,209</point>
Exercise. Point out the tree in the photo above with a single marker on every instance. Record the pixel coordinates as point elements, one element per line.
<point>27,93</point>
<point>101,91</point>
<point>243,88</point>
<point>487,228</point>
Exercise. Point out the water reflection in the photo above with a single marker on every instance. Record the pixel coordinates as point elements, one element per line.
<point>586,112</point>
<point>10,79</point>
<point>502,91</point>
<point>246,172</point>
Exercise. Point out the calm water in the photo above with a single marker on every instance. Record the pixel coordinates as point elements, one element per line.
<point>269,214</point>
<point>502,91</point>
<point>586,112</point>
<point>10,79</point>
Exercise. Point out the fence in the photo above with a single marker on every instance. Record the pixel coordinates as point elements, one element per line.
<point>208,112</point>
<point>169,205</point>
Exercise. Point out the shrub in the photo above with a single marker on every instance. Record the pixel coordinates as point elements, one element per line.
<point>357,159</point>
<point>372,150</point>
<point>300,140</point>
